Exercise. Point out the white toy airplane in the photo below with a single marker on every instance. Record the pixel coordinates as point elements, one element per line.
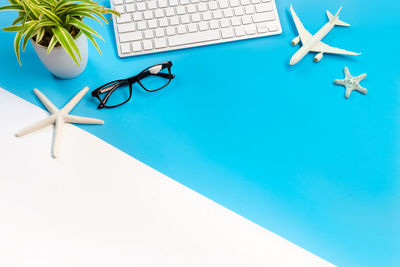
<point>312,43</point>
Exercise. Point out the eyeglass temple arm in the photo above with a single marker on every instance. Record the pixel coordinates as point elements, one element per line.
<point>161,74</point>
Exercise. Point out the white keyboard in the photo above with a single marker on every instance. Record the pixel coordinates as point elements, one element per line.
<point>149,26</point>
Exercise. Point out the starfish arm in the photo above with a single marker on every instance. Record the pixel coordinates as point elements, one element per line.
<point>347,72</point>
<point>45,101</point>
<point>360,77</point>
<point>58,131</point>
<point>36,126</point>
<point>361,89</point>
<point>82,120</point>
<point>72,103</point>
<point>347,92</point>
<point>340,82</point>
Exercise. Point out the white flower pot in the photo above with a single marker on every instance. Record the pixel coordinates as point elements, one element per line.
<point>59,63</point>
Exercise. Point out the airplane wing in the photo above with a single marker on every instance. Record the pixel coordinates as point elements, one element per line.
<point>303,33</point>
<point>324,48</point>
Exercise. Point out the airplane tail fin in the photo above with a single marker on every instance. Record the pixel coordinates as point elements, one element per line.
<point>336,17</point>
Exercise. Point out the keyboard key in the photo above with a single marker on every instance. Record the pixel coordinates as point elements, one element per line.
<point>147,45</point>
<point>173,21</point>
<point>162,3</point>
<point>125,48</point>
<point>180,10</point>
<point>152,24</point>
<point>203,26</point>
<point>163,22</point>
<point>227,33</point>
<point>181,29</point>
<point>136,46</point>
<point>124,18</point>
<point>202,7</point>
<point>217,14</point>
<point>273,27</point>
<point>225,23</point>
<point>228,13</point>
<point>235,21</point>
<point>184,2</point>
<point>214,24</point>
<point>130,8</point>
<point>160,43</point>
<point>192,38</point>
<point>137,16</point>
<point>151,5</point>
<point>266,16</point>
<point>160,32</point>
<point>141,25</point>
<point>126,27</point>
<point>158,13</point>
<point>223,3</point>
<point>212,5</point>
<point>140,6</point>
<point>118,2</point>
<point>234,3</point>
<point>171,31</point>
<point>207,16</point>
<point>245,2</point>
<point>148,14</point>
<point>119,9</point>
<point>169,11</point>
<point>192,27</point>
<point>239,11</point>
<point>191,9</point>
<point>173,2</point>
<point>239,31</point>
<point>196,17</point>
<point>148,34</point>
<point>250,29</point>
<point>262,27</point>
<point>249,10</point>
<point>131,36</point>
<point>185,19</point>
<point>264,7</point>
<point>246,20</point>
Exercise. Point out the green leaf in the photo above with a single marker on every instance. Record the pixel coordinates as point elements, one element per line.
<point>91,38</point>
<point>29,34</point>
<point>12,7</point>
<point>52,44</point>
<point>66,40</point>
<point>49,14</point>
<point>82,26</point>
<point>30,9</point>
<point>17,42</point>
<point>13,28</point>
<point>40,34</point>
<point>85,14</point>
<point>17,20</point>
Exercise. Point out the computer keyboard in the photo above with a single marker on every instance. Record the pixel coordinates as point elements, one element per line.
<point>149,26</point>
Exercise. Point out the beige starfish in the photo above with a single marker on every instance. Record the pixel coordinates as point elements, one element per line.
<point>58,117</point>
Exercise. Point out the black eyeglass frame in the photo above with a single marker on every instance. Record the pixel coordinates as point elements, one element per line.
<point>130,81</point>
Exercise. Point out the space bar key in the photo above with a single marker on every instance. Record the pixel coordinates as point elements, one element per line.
<point>191,38</point>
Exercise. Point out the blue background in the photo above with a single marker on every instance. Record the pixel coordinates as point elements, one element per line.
<point>279,145</point>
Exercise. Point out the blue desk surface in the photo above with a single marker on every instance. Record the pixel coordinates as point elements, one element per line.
<point>279,145</point>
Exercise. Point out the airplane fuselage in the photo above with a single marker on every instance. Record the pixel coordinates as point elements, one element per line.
<point>312,42</point>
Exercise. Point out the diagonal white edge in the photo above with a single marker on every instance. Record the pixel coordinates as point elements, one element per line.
<point>97,206</point>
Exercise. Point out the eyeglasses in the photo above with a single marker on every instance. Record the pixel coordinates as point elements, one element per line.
<point>116,93</point>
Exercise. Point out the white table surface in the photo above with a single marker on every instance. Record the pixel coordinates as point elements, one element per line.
<point>97,206</point>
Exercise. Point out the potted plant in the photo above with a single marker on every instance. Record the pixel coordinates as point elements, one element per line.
<point>57,32</point>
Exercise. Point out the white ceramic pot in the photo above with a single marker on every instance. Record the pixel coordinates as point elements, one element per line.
<point>59,63</point>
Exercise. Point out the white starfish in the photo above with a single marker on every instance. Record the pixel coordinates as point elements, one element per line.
<point>351,83</point>
<point>58,117</point>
